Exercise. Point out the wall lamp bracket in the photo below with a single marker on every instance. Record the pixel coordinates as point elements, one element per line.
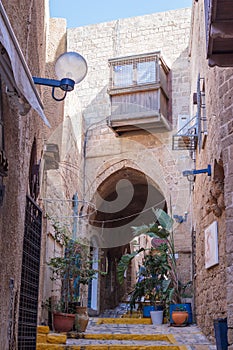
<point>64,84</point>
<point>189,173</point>
<point>70,68</point>
<point>180,218</point>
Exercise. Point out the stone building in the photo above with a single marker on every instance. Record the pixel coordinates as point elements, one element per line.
<point>24,129</point>
<point>135,97</point>
<point>211,72</point>
<point>120,152</point>
<point>151,109</point>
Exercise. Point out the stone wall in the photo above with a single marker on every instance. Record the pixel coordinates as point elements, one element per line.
<point>98,43</point>
<point>212,195</point>
<point>225,89</point>
<point>27,20</point>
<point>168,32</point>
<point>150,153</point>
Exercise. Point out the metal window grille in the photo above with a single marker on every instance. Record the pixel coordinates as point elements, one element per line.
<point>127,72</point>
<point>27,326</point>
<point>201,112</point>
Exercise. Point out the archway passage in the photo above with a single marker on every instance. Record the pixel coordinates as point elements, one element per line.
<point>123,200</point>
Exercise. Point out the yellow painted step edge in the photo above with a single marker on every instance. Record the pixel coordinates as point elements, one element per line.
<point>147,337</point>
<point>129,347</point>
<point>108,347</point>
<point>124,321</point>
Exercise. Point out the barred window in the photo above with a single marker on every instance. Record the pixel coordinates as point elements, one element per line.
<point>134,71</point>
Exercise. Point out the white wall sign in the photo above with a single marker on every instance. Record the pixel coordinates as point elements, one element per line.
<point>211,245</point>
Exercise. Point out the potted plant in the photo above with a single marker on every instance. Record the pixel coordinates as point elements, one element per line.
<point>180,315</point>
<point>151,289</point>
<point>169,289</point>
<point>73,271</point>
<point>178,303</point>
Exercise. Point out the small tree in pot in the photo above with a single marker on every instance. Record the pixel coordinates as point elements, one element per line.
<point>153,279</point>
<point>72,270</point>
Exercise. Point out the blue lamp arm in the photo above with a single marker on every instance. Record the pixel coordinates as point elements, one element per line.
<point>47,82</point>
<point>198,171</point>
<point>65,84</point>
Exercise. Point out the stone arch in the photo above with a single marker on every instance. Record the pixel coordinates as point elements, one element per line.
<point>123,199</point>
<point>110,167</point>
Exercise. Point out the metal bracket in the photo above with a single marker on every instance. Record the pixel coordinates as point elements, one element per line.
<point>180,218</point>
<point>198,171</point>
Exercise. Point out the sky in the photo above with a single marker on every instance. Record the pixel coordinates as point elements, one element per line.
<point>84,12</point>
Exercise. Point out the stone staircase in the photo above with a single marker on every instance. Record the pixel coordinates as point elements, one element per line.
<point>125,334</point>
<point>47,340</point>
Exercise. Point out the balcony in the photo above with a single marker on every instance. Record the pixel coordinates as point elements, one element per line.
<point>219,32</point>
<point>138,90</point>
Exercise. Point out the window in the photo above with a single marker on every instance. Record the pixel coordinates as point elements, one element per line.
<point>146,72</point>
<point>123,75</point>
<point>134,71</point>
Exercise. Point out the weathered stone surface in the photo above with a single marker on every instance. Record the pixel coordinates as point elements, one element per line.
<point>42,329</point>
<point>211,284</point>
<point>150,152</point>
<point>41,338</point>
<point>56,338</point>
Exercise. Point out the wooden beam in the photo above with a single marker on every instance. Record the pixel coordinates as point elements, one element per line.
<point>222,30</point>
<point>221,60</point>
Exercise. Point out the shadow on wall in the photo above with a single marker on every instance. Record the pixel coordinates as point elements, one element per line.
<point>180,86</point>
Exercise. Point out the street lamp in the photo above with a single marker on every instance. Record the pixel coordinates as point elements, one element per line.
<point>70,68</point>
<point>191,173</point>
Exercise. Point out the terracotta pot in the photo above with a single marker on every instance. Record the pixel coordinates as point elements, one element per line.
<point>180,318</point>
<point>81,319</point>
<point>63,322</point>
<point>81,309</point>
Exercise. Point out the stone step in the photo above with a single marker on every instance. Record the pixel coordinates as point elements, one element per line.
<point>104,341</point>
<point>124,320</point>
<point>147,337</point>
<point>108,347</point>
<point>44,336</point>
<point>123,340</point>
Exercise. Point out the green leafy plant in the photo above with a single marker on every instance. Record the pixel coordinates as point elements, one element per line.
<point>159,280</point>
<point>153,278</point>
<point>73,268</point>
<point>180,308</point>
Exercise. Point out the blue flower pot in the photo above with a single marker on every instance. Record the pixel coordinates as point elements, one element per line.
<point>146,310</point>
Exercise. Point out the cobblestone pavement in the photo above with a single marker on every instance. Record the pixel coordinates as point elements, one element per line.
<point>189,337</point>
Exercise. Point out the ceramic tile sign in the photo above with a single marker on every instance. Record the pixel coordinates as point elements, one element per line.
<point>211,245</point>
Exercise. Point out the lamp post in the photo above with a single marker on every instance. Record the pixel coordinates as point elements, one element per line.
<point>70,68</point>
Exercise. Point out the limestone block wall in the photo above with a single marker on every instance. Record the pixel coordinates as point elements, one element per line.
<point>225,89</point>
<point>168,32</point>
<point>212,198</point>
<point>103,153</point>
<point>59,181</point>
<point>27,21</point>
